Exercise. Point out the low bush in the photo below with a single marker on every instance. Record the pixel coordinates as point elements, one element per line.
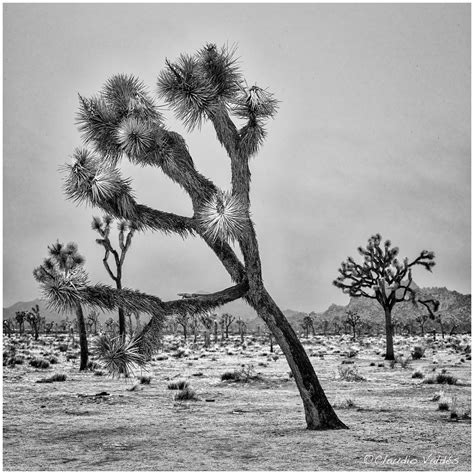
<point>53,360</point>
<point>442,379</point>
<point>39,363</point>
<point>417,375</point>
<point>418,352</point>
<point>179,385</point>
<point>144,379</point>
<point>186,394</point>
<point>53,378</point>
<point>350,374</point>
<point>443,405</point>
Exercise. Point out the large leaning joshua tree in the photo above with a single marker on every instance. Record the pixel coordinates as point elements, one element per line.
<point>123,121</point>
<point>382,277</point>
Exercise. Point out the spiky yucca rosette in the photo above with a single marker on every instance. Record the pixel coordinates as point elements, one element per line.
<point>90,181</point>
<point>119,356</point>
<point>223,217</point>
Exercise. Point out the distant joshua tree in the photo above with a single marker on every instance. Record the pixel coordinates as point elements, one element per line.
<point>7,327</point>
<point>60,276</point>
<point>20,318</point>
<point>353,320</point>
<point>227,319</point>
<point>242,329</point>
<point>382,277</point>
<point>307,324</point>
<point>123,121</point>
<point>34,320</point>
<point>102,226</point>
<point>92,321</point>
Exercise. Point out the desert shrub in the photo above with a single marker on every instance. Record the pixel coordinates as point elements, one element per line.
<point>234,375</point>
<point>392,363</point>
<point>372,364</point>
<point>144,379</point>
<point>442,379</point>
<point>446,379</point>
<point>348,362</point>
<point>179,385</point>
<point>443,405</point>
<point>53,360</point>
<point>39,363</point>
<point>62,347</point>
<point>350,353</point>
<point>350,374</point>
<point>19,359</point>
<point>71,357</point>
<point>53,378</point>
<point>418,374</point>
<point>418,352</point>
<point>404,362</point>
<point>381,364</point>
<point>347,403</point>
<point>91,365</point>
<point>437,396</point>
<point>99,373</point>
<point>186,394</point>
<point>160,357</point>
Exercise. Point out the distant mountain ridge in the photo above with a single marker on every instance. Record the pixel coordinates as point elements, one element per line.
<point>451,302</point>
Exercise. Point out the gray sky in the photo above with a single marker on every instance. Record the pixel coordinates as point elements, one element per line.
<point>372,135</point>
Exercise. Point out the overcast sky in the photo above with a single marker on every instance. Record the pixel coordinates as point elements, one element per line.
<point>372,135</point>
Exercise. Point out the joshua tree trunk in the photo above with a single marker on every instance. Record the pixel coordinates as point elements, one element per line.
<point>318,412</point>
<point>389,354</point>
<point>82,337</point>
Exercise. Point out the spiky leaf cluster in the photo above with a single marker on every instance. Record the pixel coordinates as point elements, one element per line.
<point>223,217</point>
<point>121,119</point>
<point>119,356</point>
<point>91,181</point>
<point>255,103</point>
<point>62,277</point>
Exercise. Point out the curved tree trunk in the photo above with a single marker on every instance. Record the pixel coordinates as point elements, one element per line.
<point>389,354</point>
<point>318,411</point>
<point>82,338</point>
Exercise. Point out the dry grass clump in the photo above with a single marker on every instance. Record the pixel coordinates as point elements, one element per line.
<point>350,374</point>
<point>245,374</point>
<point>179,385</point>
<point>347,403</point>
<point>39,363</point>
<point>144,379</point>
<point>418,352</point>
<point>53,378</point>
<point>442,379</point>
<point>186,394</point>
<point>418,374</point>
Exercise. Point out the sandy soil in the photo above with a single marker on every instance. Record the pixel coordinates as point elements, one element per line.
<point>394,424</point>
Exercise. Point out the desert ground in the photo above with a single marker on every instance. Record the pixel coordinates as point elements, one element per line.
<point>91,421</point>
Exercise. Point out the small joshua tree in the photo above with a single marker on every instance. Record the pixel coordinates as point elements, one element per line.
<point>382,277</point>
<point>353,320</point>
<point>183,321</point>
<point>34,320</point>
<point>7,327</point>
<point>20,318</point>
<point>126,231</point>
<point>92,321</point>
<point>60,275</point>
<point>307,324</point>
<point>242,326</point>
<point>123,121</point>
<point>227,320</point>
